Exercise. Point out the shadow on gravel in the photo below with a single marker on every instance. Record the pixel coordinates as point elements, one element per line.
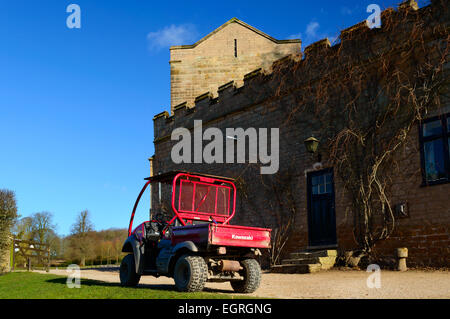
<point>100,268</point>
<point>90,282</point>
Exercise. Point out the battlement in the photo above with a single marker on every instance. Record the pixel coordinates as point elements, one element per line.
<point>232,97</point>
<point>318,46</point>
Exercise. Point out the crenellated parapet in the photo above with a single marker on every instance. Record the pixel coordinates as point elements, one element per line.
<point>230,98</point>
<point>354,31</point>
<point>320,55</point>
<point>317,48</point>
<point>408,5</point>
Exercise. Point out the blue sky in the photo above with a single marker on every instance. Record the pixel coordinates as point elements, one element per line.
<point>76,105</point>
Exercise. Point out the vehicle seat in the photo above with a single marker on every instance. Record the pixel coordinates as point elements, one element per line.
<point>198,222</point>
<point>152,231</point>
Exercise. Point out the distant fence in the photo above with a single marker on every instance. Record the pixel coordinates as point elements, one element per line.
<point>32,252</point>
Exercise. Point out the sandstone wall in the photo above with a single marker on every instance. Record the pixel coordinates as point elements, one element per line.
<point>254,104</point>
<point>5,261</point>
<point>225,55</point>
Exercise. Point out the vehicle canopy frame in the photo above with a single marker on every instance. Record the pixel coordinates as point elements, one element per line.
<point>195,197</point>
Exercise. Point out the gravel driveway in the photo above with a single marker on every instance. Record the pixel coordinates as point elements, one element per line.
<point>340,284</point>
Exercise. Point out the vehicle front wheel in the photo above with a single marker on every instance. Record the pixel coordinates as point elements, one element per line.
<point>128,275</point>
<point>190,273</point>
<point>252,277</point>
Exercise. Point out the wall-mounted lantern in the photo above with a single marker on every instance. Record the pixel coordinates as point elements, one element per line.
<point>311,144</point>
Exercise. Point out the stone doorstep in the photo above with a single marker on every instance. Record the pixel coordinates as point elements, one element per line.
<point>307,262</point>
<point>329,263</point>
<point>325,261</point>
<point>296,268</point>
<point>309,254</point>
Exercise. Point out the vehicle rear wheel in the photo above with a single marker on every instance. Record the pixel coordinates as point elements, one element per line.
<point>190,273</point>
<point>128,275</point>
<point>252,277</point>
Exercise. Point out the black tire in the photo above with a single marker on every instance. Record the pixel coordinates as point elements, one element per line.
<point>128,275</point>
<point>252,277</point>
<point>190,273</point>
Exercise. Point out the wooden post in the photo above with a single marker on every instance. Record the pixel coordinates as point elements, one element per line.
<point>29,264</point>
<point>48,259</point>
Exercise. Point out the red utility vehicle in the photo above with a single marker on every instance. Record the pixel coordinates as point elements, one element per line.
<point>196,244</point>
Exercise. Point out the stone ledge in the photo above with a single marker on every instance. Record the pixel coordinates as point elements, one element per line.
<point>296,269</point>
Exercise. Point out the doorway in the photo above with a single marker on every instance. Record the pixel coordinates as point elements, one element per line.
<point>321,209</point>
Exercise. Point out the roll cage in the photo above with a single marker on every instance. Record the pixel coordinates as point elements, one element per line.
<point>195,197</point>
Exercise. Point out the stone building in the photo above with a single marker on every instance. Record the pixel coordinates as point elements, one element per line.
<point>5,261</point>
<point>226,54</point>
<point>324,218</point>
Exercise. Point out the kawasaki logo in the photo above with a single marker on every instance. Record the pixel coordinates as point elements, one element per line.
<point>248,237</point>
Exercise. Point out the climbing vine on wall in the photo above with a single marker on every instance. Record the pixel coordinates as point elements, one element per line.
<point>363,96</point>
<point>366,94</point>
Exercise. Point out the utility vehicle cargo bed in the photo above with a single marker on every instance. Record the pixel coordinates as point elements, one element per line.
<point>222,235</point>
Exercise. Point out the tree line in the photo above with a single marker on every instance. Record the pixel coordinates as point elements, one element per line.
<point>84,245</point>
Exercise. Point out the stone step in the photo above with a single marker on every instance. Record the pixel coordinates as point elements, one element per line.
<point>311,260</point>
<point>328,262</point>
<point>307,262</point>
<point>296,268</point>
<point>301,261</point>
<point>311,254</point>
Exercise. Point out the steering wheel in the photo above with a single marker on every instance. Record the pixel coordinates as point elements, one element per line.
<point>160,219</point>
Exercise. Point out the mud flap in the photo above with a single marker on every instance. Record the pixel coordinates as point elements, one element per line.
<point>167,253</point>
<point>138,252</point>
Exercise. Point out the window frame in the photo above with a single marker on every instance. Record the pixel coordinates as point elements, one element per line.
<point>444,136</point>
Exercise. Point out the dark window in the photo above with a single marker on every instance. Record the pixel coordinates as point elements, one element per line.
<point>435,146</point>
<point>321,184</point>
<point>235,48</point>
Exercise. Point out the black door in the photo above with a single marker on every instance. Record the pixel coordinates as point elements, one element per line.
<point>321,212</point>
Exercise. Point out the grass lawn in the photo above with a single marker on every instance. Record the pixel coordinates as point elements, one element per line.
<point>25,285</point>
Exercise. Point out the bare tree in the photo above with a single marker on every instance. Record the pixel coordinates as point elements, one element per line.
<point>117,245</point>
<point>22,229</point>
<point>42,227</point>
<point>80,239</point>
<point>43,231</point>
